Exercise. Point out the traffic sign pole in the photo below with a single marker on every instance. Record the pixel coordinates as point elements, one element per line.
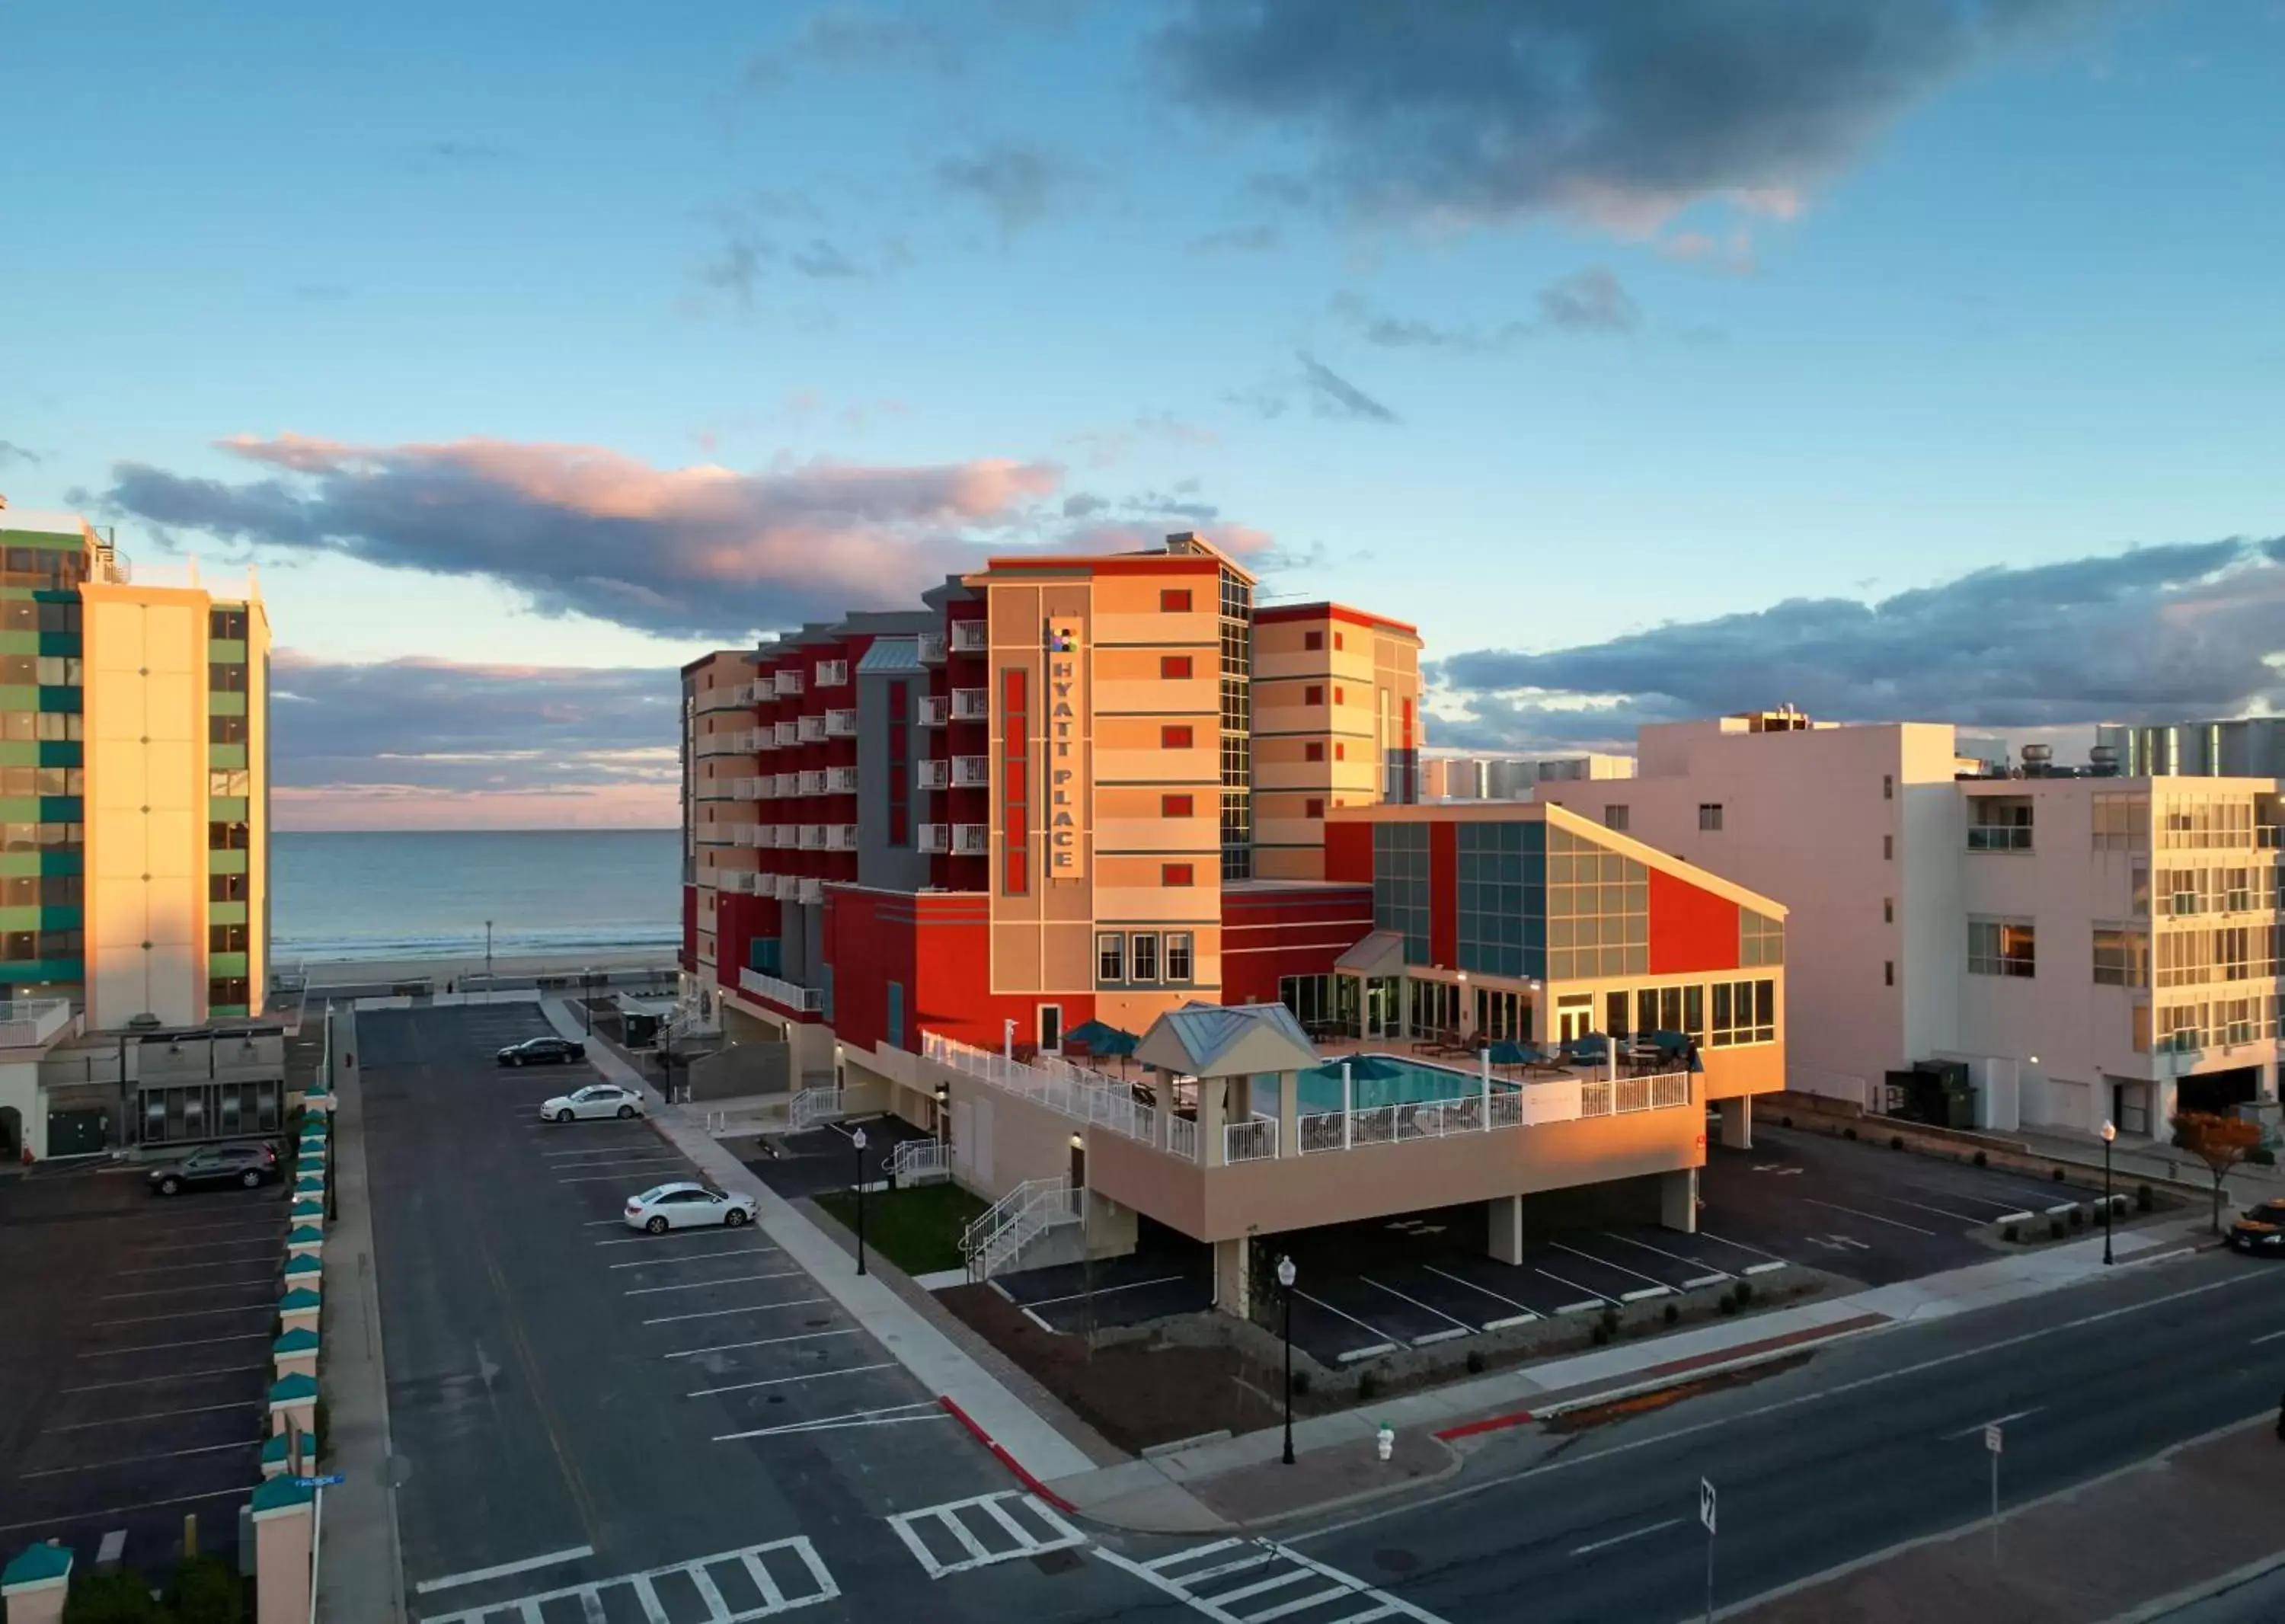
<point>1992,1442</point>
<point>1706,1516</point>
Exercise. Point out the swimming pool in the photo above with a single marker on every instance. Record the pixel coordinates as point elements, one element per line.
<point>1409,1084</point>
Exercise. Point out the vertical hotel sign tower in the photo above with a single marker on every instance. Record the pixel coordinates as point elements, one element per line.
<point>1067,751</point>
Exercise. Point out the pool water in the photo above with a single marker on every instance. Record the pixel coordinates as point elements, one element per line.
<point>1320,1086</point>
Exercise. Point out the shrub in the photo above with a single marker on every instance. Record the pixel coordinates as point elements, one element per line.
<point>1785,1121</point>
<point>1745,1292</point>
<point>1729,1304</point>
<point>1475,1362</point>
<point>1301,1384</point>
<point>2145,1198</point>
<point>1602,1333</point>
<point>2059,1175</point>
<point>2054,1229</point>
<point>1896,1142</point>
<point>1673,1313</point>
<point>1368,1387</point>
<point>2262,1155</point>
<point>110,1599</point>
<point>1983,1160</point>
<point>2013,1232</point>
<point>206,1590</point>
<point>1847,1132</point>
<point>2078,1218</point>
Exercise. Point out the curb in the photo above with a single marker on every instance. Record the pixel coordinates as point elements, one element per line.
<point>2221,1584</point>
<point>1023,1474</point>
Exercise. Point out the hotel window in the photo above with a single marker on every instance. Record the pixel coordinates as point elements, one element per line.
<point>1174,667</point>
<point>1888,848</point>
<point>1888,972</point>
<point>1110,956</point>
<point>61,671</point>
<point>1178,956</point>
<point>1598,909</point>
<point>2122,957</point>
<point>1744,1012</point>
<point>1340,750</point>
<point>1887,910</point>
<point>220,837</point>
<point>1710,815</point>
<point>225,938</point>
<point>1175,874</point>
<point>1175,600</point>
<point>1051,1029</point>
<point>223,625</point>
<point>896,1021</point>
<point>1400,881</point>
<point>1888,786</point>
<point>1174,737</point>
<point>1143,953</point>
<point>1614,817</point>
<point>1313,750</point>
<point>1614,1014</point>
<point>1175,805</point>
<point>1339,642</point>
<point>1658,1009</point>
<point>1314,695</point>
<point>1761,940</point>
<point>1313,808</point>
<point>1339,698</point>
<point>220,887</point>
<point>220,729</point>
<point>225,678</point>
<point>1312,641</point>
<point>2002,947</point>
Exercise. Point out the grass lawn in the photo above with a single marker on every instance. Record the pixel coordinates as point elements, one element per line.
<point>916,1228</point>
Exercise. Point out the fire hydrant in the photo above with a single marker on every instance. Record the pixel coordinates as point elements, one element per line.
<point>1386,1441</point>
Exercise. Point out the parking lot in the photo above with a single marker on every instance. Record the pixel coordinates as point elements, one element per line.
<point>826,1157</point>
<point>134,1356</point>
<point>586,1416</point>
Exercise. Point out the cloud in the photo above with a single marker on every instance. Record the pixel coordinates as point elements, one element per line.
<point>9,451</point>
<point>819,258</point>
<point>848,39</point>
<point>1377,327</point>
<point>2182,629</point>
<point>1332,396</point>
<point>1105,446</point>
<point>1485,110</point>
<point>1590,301</point>
<point>691,550</point>
<point>1018,183</point>
<point>1083,505</point>
<point>1238,240</point>
<point>1732,252</point>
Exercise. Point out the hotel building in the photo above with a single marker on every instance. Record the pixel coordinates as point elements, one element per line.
<point>922,848</point>
<point>133,739</point>
<point>2081,947</point>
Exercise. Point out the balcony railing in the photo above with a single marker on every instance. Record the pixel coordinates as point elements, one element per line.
<point>812,837</point>
<point>971,772</point>
<point>936,837</point>
<point>971,839</point>
<point>1076,1092</point>
<point>841,724</point>
<point>787,682</point>
<point>765,737</point>
<point>841,781</point>
<point>1509,1106</point>
<point>811,781</point>
<point>745,788</point>
<point>784,994</point>
<point>969,637</point>
<point>810,730</point>
<point>26,1022</point>
<point>832,673</point>
<point>1183,1138</point>
<point>931,647</point>
<point>720,744</point>
<point>933,774</point>
<point>840,838</point>
<point>787,785</point>
<point>788,735</point>
<point>1999,838</point>
<point>1255,1140</point>
<point>809,890</point>
<point>936,710</point>
<point>970,705</point>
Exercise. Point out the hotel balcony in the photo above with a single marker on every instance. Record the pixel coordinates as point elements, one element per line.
<point>787,682</point>
<point>720,744</point>
<point>787,785</point>
<point>764,738</point>
<point>812,837</point>
<point>969,637</point>
<point>971,839</point>
<point>841,724</point>
<point>29,1023</point>
<point>841,781</point>
<point>811,781</point>
<point>832,673</point>
<point>810,730</point>
<point>840,838</point>
<point>787,887</point>
<point>971,772</point>
<point>936,710</point>
<point>745,788</point>
<point>788,735</point>
<point>936,837</point>
<point>784,994</point>
<point>931,647</point>
<point>809,890</point>
<point>970,705</point>
<point>761,691</point>
<point>933,774</point>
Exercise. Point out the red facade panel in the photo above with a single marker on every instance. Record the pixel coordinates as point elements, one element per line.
<point>1444,892</point>
<point>690,928</point>
<point>939,950</point>
<point>1348,852</point>
<point>1267,935</point>
<point>1691,928</point>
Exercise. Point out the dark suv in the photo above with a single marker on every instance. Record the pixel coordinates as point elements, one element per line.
<point>243,1165</point>
<point>2260,1230</point>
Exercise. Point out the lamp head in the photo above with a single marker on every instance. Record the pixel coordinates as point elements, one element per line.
<point>1077,1144</point>
<point>1287,1272</point>
<point>2109,1131</point>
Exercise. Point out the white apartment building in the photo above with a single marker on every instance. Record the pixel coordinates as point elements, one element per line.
<point>1511,778</point>
<point>2089,948</point>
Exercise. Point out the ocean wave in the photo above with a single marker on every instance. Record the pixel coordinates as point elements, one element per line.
<point>284,950</point>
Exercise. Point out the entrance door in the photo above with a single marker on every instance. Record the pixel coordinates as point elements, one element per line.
<point>77,1133</point>
<point>1382,1012</point>
<point>1574,1020</point>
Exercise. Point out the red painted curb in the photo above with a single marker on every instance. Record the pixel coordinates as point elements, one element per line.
<point>1023,1474</point>
<point>1489,1424</point>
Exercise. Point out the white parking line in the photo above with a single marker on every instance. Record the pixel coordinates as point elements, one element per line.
<point>1607,1263</point>
<point>1576,1286</point>
<point>1524,1317</point>
<point>182,1268</point>
<point>1893,1223</point>
<point>1940,1211</point>
<point>1741,1245</point>
<point>271,1239</point>
<point>702,1285</point>
<point>157,1415</point>
<point>264,1283</point>
<point>731,1347</point>
<point>1386,1345</point>
<point>237,1493</point>
<point>1703,1279</point>
<point>161,1347</point>
<point>1621,1539</point>
<point>186,1314</point>
<point>658,1161</point>
<point>722,1233</point>
<point>136,1460</point>
<point>430,1586</point>
<point>1072,1296</point>
<point>716,1314</point>
<point>746,1251</point>
<point>892,1416</point>
<point>601,1150</point>
<point>2271,1336</point>
<point>788,1380</point>
<point>172,1376</point>
<point>1460,1327</point>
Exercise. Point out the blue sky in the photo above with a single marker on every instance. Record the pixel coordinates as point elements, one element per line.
<point>1644,357</point>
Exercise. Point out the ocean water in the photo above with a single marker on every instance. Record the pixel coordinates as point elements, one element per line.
<point>427,894</point>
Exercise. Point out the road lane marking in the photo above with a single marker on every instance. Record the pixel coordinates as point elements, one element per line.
<point>997,1519</point>
<point>702,1285</point>
<point>801,1580</point>
<point>1621,1539</point>
<point>748,1251</point>
<point>716,1314</point>
<point>1171,1575</point>
<point>160,1415</point>
<point>153,1381</point>
<point>1776,1406</point>
<point>2271,1336</point>
<point>787,1381</point>
<point>161,1347</point>
<point>1896,1223</point>
<point>137,1460</point>
<point>727,1348</point>
<point>554,1558</point>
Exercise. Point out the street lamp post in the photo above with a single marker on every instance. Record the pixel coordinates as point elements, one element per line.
<point>2109,1132</point>
<point>857,1139</point>
<point>942,1110</point>
<point>488,960</point>
<point>1285,1275</point>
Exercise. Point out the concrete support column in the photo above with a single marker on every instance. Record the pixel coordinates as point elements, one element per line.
<point>1504,1217</point>
<point>1232,1295</point>
<point>1738,1122</point>
<point>32,1586</point>
<point>281,1552</point>
<point>1213,1094</point>
<point>1289,1113</point>
<point>1678,1200</point>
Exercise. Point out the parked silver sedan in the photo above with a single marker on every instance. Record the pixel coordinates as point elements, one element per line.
<point>595,1100</point>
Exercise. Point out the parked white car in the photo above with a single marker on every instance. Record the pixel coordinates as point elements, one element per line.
<point>686,1206</point>
<point>595,1100</point>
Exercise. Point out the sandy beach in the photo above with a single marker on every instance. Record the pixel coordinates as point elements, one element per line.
<point>367,972</point>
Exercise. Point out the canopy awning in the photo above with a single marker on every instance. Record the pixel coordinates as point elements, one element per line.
<point>1380,953</point>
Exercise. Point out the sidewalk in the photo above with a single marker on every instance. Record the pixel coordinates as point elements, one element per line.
<point>934,1360</point>
<point>2130,1546</point>
<point>358,1579</point>
<point>2149,1159</point>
